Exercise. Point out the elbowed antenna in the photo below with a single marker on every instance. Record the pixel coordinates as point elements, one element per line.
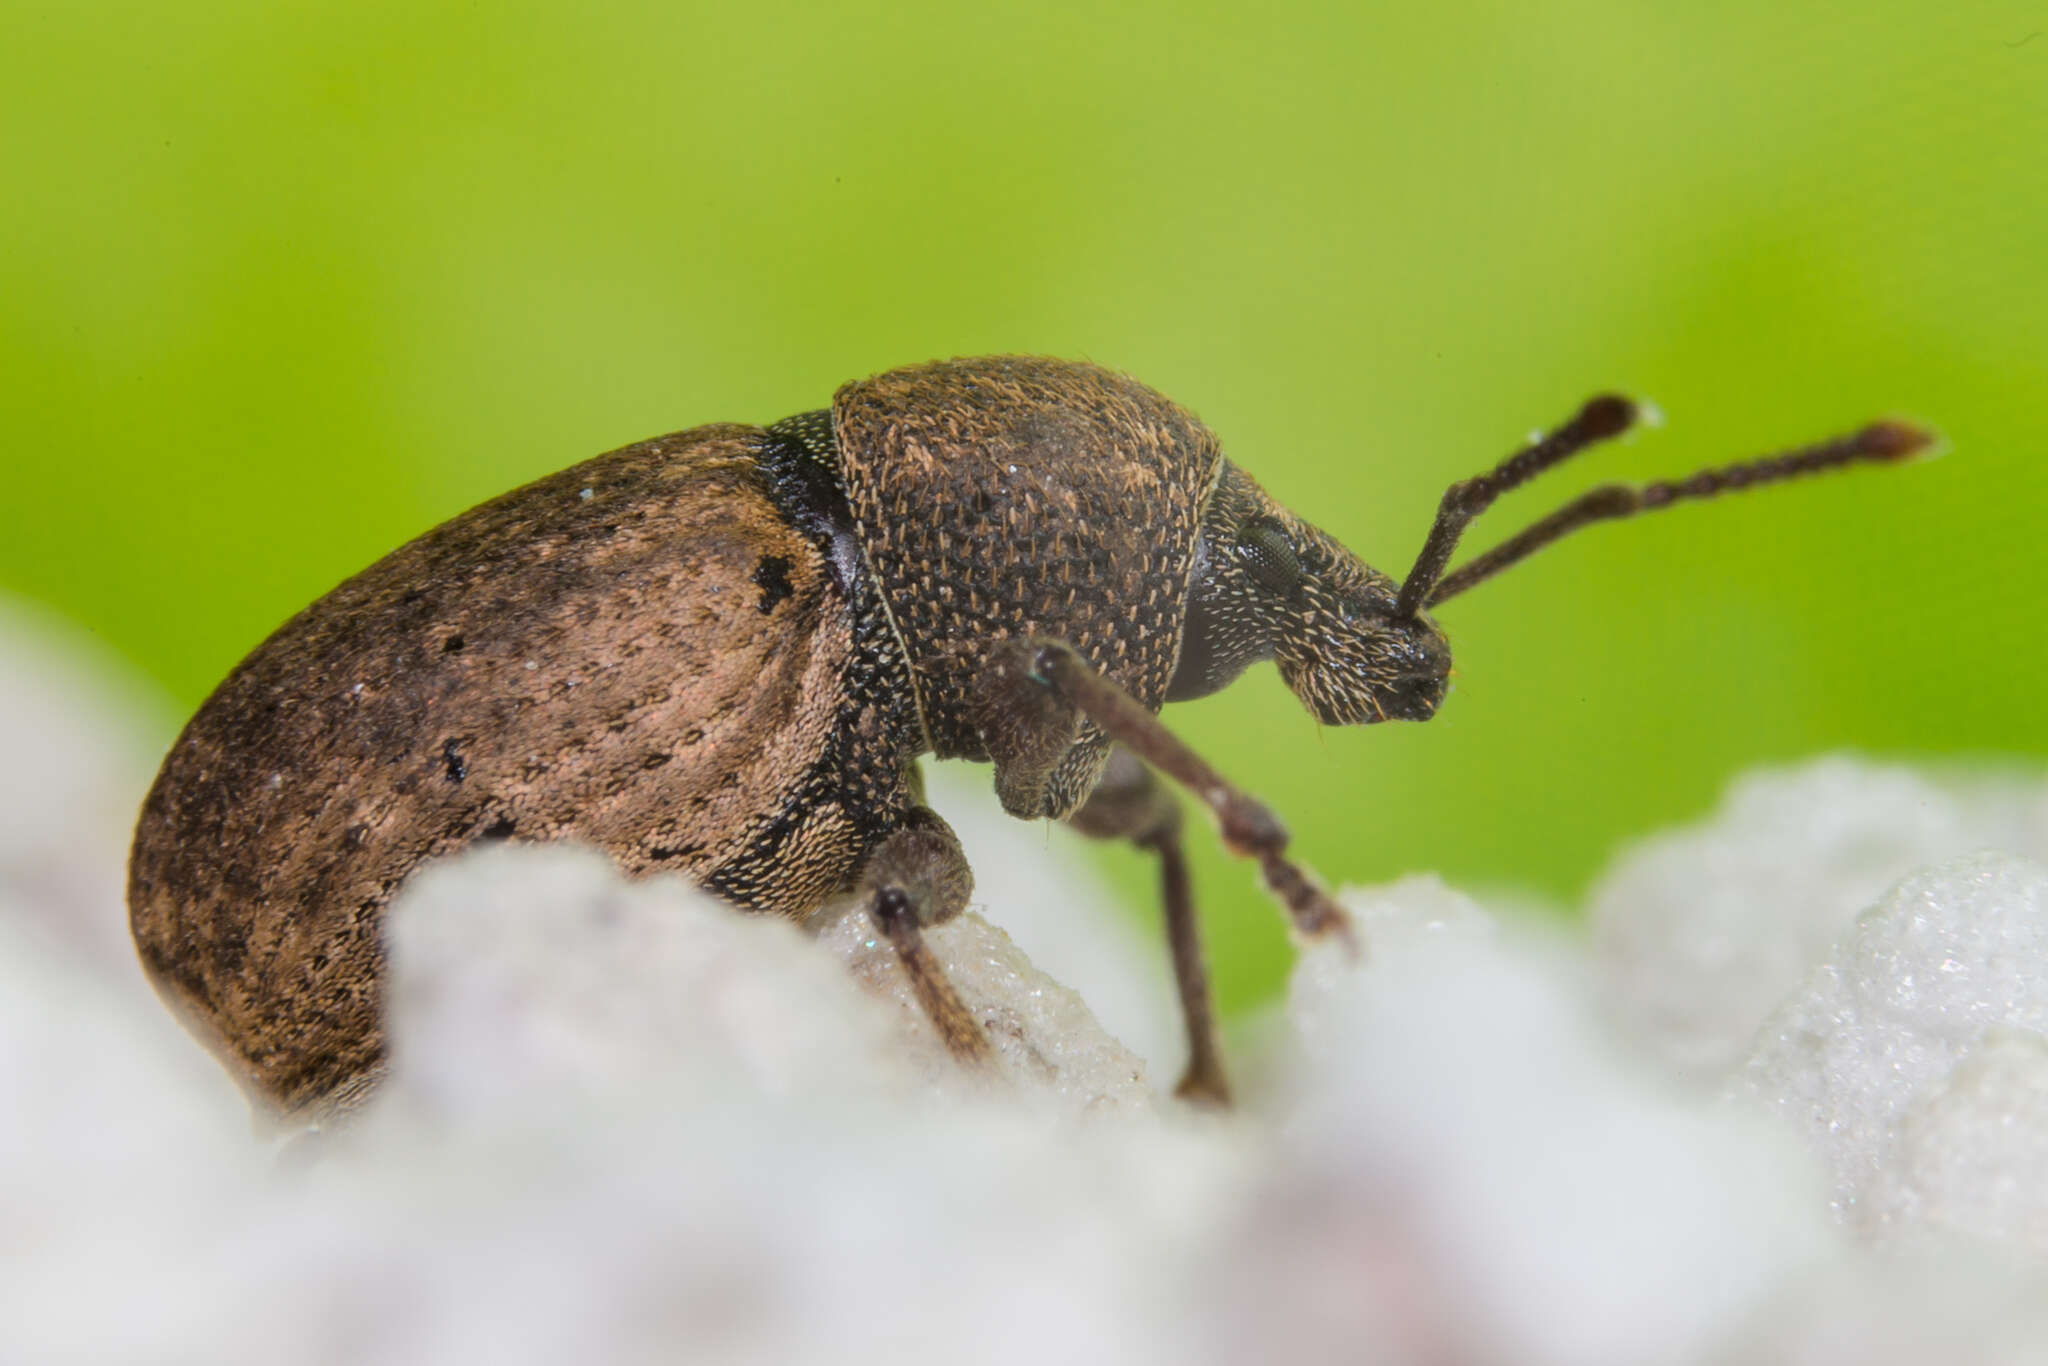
<point>1602,418</point>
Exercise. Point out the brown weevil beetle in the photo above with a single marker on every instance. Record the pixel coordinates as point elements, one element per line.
<point>722,652</point>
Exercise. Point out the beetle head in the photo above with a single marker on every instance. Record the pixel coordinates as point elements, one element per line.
<point>1356,647</point>
<point>1267,585</point>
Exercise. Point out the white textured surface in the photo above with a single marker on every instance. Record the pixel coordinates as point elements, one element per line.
<point>1950,960</point>
<point>534,971</point>
<point>1973,1151</point>
<point>1045,1038</point>
<point>1064,917</point>
<point>117,1156</point>
<point>1943,1305</point>
<point>1556,1205</point>
<point>79,743</point>
<point>1704,931</point>
<point>631,1119</point>
<point>625,1125</point>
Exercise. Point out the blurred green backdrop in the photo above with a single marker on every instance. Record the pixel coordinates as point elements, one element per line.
<point>287,283</point>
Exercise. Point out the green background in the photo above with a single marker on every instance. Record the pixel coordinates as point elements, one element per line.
<point>285,284</point>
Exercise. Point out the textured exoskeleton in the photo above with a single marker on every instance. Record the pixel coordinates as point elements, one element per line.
<point>721,653</point>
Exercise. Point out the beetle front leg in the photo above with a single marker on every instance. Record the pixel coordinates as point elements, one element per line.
<point>918,876</point>
<point>1130,803</point>
<point>1047,682</point>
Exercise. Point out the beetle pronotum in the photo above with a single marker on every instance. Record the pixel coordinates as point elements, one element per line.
<point>722,652</point>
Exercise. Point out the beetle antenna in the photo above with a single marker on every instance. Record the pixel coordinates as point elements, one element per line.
<point>1601,419</point>
<point>1881,443</point>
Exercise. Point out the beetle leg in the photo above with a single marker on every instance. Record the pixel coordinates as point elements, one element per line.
<point>1249,829</point>
<point>1130,803</point>
<point>918,876</point>
<point>1026,727</point>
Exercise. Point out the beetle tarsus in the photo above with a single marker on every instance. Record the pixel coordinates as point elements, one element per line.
<point>1316,915</point>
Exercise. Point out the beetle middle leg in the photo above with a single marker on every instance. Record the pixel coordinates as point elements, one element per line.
<point>1037,691</point>
<point>1131,803</point>
<point>918,876</point>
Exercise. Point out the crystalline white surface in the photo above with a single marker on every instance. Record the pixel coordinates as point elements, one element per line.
<point>1554,1204</point>
<point>1946,1304</point>
<point>1033,880</point>
<point>1973,1155</point>
<point>1703,931</point>
<point>1947,958</point>
<point>627,1125</point>
<point>81,746</point>
<point>1042,1032</point>
<point>537,969</point>
<point>118,1141</point>
<point>1417,918</point>
<point>117,1135</point>
<point>735,1141</point>
<point>541,963</point>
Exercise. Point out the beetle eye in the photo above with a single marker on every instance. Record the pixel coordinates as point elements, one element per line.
<point>1269,557</point>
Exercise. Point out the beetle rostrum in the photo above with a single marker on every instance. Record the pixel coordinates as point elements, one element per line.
<point>722,653</point>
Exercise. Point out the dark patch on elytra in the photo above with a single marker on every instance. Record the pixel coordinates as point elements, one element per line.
<point>230,945</point>
<point>771,576</point>
<point>299,1015</point>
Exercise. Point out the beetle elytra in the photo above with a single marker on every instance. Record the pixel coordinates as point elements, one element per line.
<point>722,653</point>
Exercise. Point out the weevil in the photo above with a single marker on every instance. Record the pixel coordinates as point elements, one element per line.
<point>723,652</point>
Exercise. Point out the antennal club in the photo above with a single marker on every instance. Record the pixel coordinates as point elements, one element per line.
<point>1601,419</point>
<point>1880,443</point>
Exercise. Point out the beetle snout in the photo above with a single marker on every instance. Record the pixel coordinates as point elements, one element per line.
<point>1416,696</point>
<point>1421,677</point>
<point>1397,672</point>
